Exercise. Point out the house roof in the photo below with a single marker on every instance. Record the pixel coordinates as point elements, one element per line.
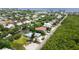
<point>19,23</point>
<point>59,16</point>
<point>37,34</point>
<point>47,24</point>
<point>29,34</point>
<point>41,28</point>
<point>9,26</point>
<point>27,21</point>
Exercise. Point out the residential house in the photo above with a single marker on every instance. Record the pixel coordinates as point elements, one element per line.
<point>15,21</point>
<point>2,22</point>
<point>9,35</point>
<point>7,21</point>
<point>37,34</point>
<point>59,16</point>
<point>42,12</point>
<point>48,25</point>
<point>42,15</point>
<point>44,29</point>
<point>27,17</point>
<point>27,21</point>
<point>34,16</point>
<point>10,26</point>
<point>41,28</point>
<point>29,34</point>
<point>56,14</point>
<point>19,23</point>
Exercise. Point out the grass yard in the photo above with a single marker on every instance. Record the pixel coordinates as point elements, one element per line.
<point>66,36</point>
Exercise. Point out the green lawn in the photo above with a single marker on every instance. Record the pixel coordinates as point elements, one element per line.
<point>66,36</point>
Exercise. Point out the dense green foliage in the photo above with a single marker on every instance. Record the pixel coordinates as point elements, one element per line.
<point>18,44</point>
<point>4,43</point>
<point>66,37</point>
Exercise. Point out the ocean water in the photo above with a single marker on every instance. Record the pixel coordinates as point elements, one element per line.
<point>53,9</point>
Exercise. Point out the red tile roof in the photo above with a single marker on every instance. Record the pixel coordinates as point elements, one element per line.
<point>41,28</point>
